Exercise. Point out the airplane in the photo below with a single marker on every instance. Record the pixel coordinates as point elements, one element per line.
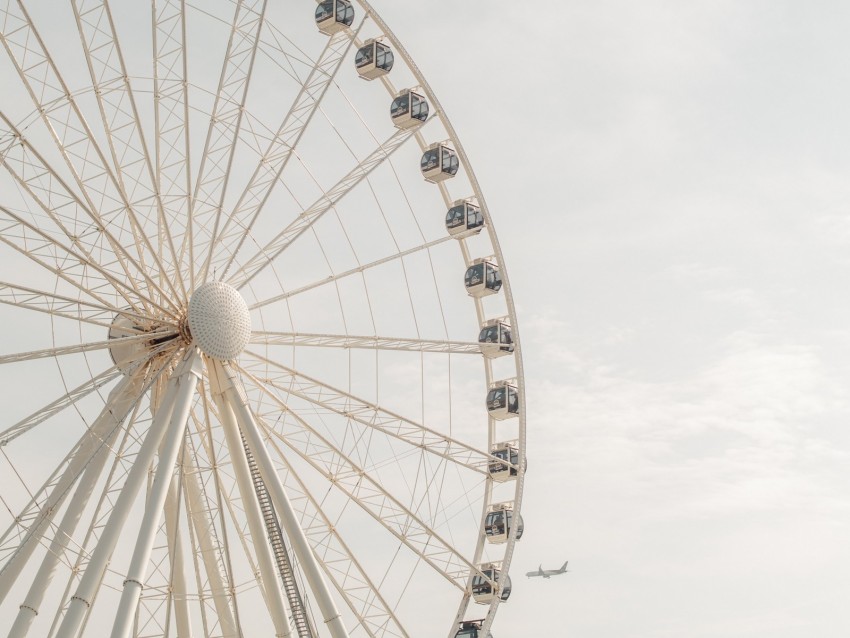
<point>547,573</point>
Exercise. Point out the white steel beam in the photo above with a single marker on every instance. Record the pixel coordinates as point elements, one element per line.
<point>375,417</point>
<point>187,381</point>
<point>134,177</point>
<point>32,241</point>
<point>89,451</point>
<point>353,271</point>
<point>209,551</point>
<point>72,217</point>
<point>85,593</point>
<point>341,566</point>
<point>54,407</point>
<point>59,351</point>
<point>178,589</point>
<point>363,342</point>
<point>373,497</point>
<point>288,518</point>
<point>171,116</point>
<point>269,169</point>
<point>58,305</point>
<point>271,585</point>
<point>223,133</point>
<point>121,401</point>
<point>323,204</point>
<point>75,140</point>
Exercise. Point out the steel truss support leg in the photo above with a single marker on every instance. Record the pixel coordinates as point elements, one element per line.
<point>83,597</point>
<point>237,400</point>
<point>175,552</point>
<point>91,443</point>
<point>187,381</point>
<point>201,522</point>
<point>121,400</point>
<point>256,524</point>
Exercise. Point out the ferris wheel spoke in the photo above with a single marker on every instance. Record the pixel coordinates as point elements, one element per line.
<point>71,133</point>
<point>55,407</point>
<point>70,398</point>
<point>223,133</point>
<point>273,162</point>
<point>171,116</point>
<point>61,306</point>
<point>91,346</point>
<point>364,342</point>
<point>22,537</point>
<point>74,219</point>
<point>284,379</point>
<point>120,117</point>
<point>348,273</point>
<point>339,563</point>
<point>260,260</point>
<point>358,485</point>
<point>76,269</point>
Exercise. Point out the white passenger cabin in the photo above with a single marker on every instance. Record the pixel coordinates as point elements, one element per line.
<point>507,467</point>
<point>495,338</point>
<point>408,109</point>
<point>482,278</point>
<point>373,59</point>
<point>333,16</point>
<point>503,400</point>
<point>439,162</point>
<point>483,590</point>
<point>499,521</point>
<point>464,219</point>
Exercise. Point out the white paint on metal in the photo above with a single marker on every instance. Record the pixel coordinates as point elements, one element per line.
<point>219,320</point>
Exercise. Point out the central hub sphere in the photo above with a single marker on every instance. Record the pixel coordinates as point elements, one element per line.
<point>219,320</point>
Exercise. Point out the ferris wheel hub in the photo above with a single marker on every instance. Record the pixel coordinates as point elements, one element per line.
<point>219,320</point>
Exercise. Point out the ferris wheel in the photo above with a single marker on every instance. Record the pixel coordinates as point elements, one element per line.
<point>260,362</point>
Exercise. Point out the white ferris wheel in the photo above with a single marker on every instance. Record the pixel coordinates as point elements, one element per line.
<point>260,363</point>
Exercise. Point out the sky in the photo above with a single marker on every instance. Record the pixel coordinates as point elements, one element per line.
<point>669,185</point>
<point>668,182</point>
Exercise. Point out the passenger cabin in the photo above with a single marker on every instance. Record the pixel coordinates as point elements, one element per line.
<point>373,59</point>
<point>503,400</point>
<point>464,219</point>
<point>409,109</point>
<point>495,338</point>
<point>472,629</point>
<point>333,16</point>
<point>499,521</point>
<point>506,468</point>
<point>482,278</point>
<point>439,162</point>
<point>483,591</point>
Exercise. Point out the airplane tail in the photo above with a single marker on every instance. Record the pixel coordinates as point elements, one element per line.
<point>564,567</point>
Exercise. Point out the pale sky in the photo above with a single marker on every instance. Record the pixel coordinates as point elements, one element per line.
<point>669,184</point>
<point>668,181</point>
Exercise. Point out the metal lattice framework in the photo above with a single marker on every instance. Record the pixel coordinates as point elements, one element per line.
<point>333,478</point>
